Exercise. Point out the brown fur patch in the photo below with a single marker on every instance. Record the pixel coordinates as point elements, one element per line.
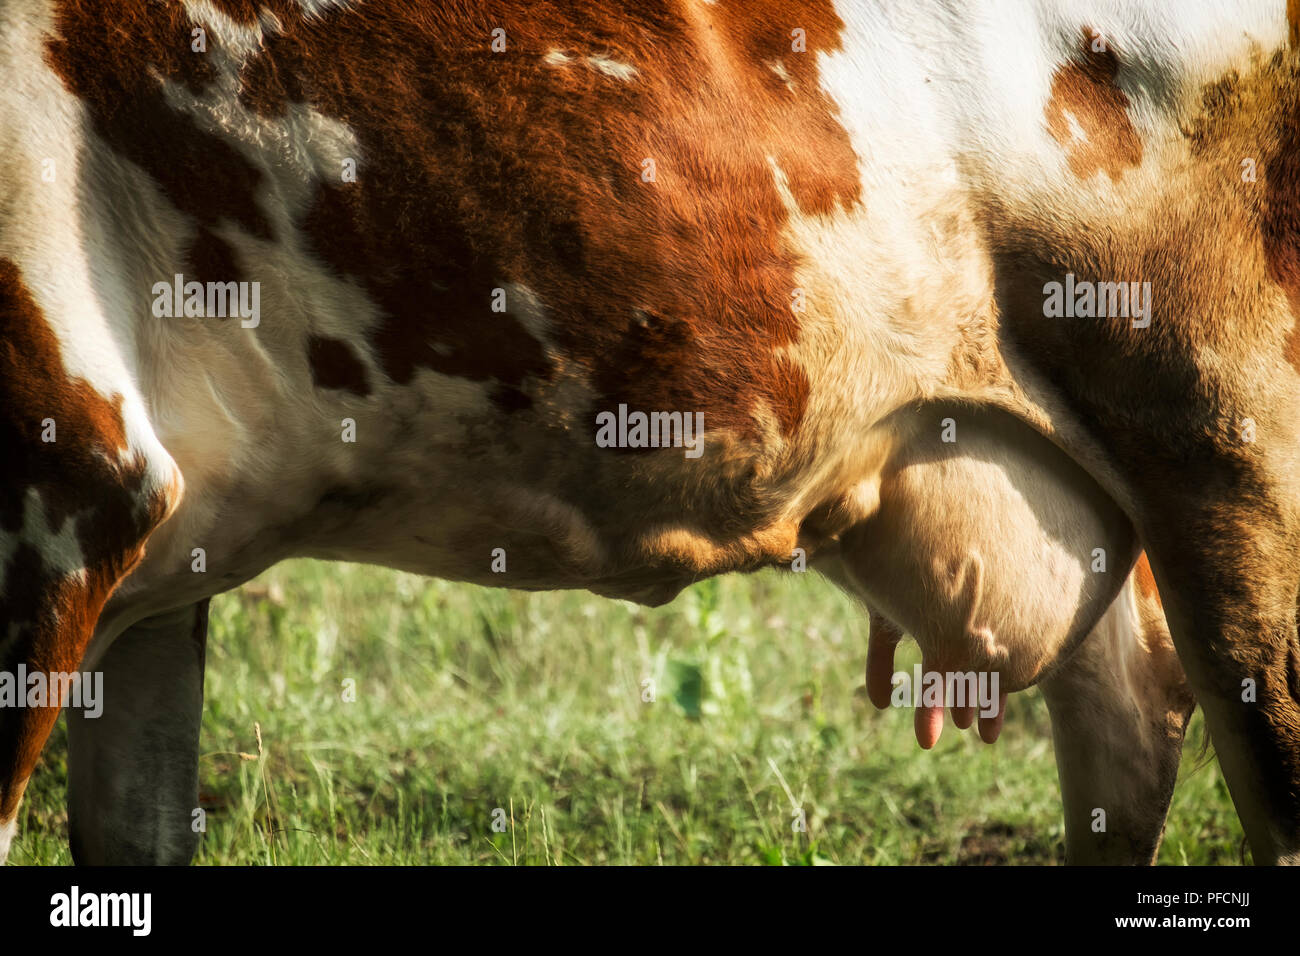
<point>335,365</point>
<point>1270,98</point>
<point>481,168</point>
<point>1084,88</point>
<point>111,56</point>
<point>241,11</point>
<point>210,259</point>
<point>1280,215</point>
<point>1146,581</point>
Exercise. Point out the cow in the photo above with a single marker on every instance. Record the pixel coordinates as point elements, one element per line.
<point>966,306</point>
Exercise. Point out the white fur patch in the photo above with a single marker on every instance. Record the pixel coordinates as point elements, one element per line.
<point>619,71</point>
<point>1077,132</point>
<point>315,9</point>
<point>7,833</point>
<point>525,306</point>
<point>782,74</point>
<point>601,64</point>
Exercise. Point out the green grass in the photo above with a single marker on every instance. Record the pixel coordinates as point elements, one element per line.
<point>470,701</point>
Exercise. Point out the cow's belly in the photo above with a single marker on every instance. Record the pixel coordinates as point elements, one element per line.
<point>430,479</point>
<point>983,548</point>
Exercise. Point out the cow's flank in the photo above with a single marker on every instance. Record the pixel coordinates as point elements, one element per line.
<point>456,194</point>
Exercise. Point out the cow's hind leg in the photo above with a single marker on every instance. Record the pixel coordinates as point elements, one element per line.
<point>1231,595</point>
<point>133,770</point>
<point>1119,707</point>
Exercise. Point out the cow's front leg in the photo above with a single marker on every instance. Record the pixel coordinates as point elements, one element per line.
<point>85,484</point>
<point>133,770</point>
<point>1120,708</point>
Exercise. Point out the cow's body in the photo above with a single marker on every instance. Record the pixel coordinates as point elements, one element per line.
<point>832,251</point>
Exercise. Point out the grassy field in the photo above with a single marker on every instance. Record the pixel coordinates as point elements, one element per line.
<point>474,706</point>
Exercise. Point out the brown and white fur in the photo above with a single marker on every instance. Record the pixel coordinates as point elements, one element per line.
<point>826,227</point>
